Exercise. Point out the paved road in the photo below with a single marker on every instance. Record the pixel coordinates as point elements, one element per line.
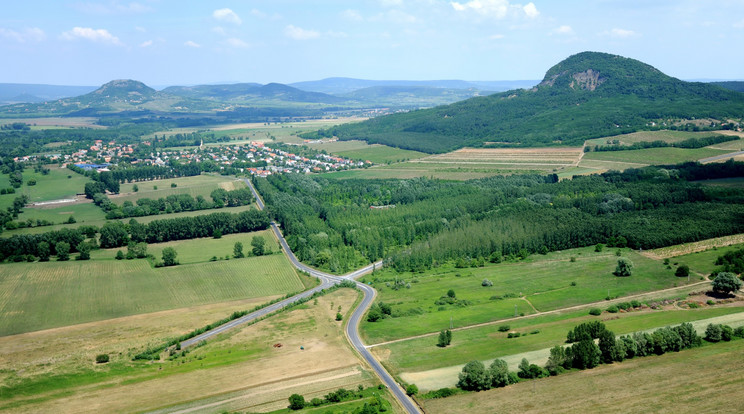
<point>327,280</point>
<point>720,157</point>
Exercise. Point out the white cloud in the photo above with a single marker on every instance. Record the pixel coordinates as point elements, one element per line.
<point>237,43</point>
<point>93,35</point>
<point>31,34</point>
<point>739,24</point>
<point>563,30</point>
<point>619,33</point>
<point>497,36</point>
<point>112,7</point>
<point>299,33</point>
<point>496,9</point>
<point>530,10</point>
<point>227,15</point>
<point>191,43</point>
<point>146,43</point>
<point>352,15</point>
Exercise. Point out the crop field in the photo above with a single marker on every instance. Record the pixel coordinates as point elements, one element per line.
<point>102,221</point>
<point>483,343</point>
<point>380,154</point>
<point>201,250</point>
<point>52,294</point>
<point>531,158</point>
<point>75,122</point>
<point>651,384</point>
<point>200,185</point>
<point>237,372</point>
<point>652,156</point>
<point>412,169</point>
<point>540,283</point>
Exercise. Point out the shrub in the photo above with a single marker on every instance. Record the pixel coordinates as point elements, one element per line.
<point>682,271</point>
<point>713,333</point>
<point>102,358</point>
<point>513,335</point>
<point>599,247</point>
<point>595,311</point>
<point>412,390</point>
<point>612,309</point>
<point>486,283</point>
<point>296,402</point>
<point>572,259</point>
<point>624,267</point>
<point>634,303</point>
<point>504,328</point>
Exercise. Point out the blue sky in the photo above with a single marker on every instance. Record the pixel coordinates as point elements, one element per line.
<point>168,42</point>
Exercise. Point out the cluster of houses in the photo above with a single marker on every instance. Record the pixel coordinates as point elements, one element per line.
<point>263,159</point>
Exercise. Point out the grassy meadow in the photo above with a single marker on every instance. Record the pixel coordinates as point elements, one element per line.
<point>53,294</point>
<point>54,186</point>
<point>539,283</point>
<point>200,185</point>
<point>650,156</point>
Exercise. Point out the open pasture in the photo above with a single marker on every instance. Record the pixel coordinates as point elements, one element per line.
<point>693,247</point>
<point>83,212</point>
<point>651,384</point>
<point>54,186</point>
<point>52,294</point>
<point>539,283</point>
<point>71,122</point>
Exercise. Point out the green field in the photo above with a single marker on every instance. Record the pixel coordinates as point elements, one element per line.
<point>650,136</point>
<point>704,262</point>
<point>380,154</point>
<point>100,222</point>
<point>84,213</point>
<point>200,185</point>
<point>654,156</point>
<point>54,186</point>
<point>35,296</point>
<point>544,281</point>
<point>200,250</point>
<point>487,342</point>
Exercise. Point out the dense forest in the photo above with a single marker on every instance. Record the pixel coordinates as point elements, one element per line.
<point>588,95</point>
<point>419,223</point>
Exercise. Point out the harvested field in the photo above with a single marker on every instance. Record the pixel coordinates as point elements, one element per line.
<point>237,371</point>
<point>687,248</point>
<point>662,384</point>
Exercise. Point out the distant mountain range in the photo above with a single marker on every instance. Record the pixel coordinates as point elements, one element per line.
<point>27,93</point>
<point>588,95</point>
<point>341,86</point>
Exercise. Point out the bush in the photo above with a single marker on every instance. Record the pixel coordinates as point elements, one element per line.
<point>412,390</point>
<point>713,333</point>
<point>504,328</point>
<point>624,267</point>
<point>486,283</point>
<point>513,335</point>
<point>296,402</point>
<point>102,358</point>
<point>339,316</point>
<point>682,271</point>
<point>595,311</point>
<point>599,247</point>
<point>612,309</point>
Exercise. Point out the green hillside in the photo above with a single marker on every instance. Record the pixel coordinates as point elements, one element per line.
<point>588,95</point>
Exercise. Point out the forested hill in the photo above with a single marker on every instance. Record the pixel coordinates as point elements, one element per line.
<point>588,95</point>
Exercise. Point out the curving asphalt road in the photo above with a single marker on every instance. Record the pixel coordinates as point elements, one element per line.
<point>327,280</point>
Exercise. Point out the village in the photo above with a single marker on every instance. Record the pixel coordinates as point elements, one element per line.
<point>254,158</point>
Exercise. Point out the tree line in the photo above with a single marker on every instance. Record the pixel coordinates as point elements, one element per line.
<point>117,234</point>
<point>691,143</point>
